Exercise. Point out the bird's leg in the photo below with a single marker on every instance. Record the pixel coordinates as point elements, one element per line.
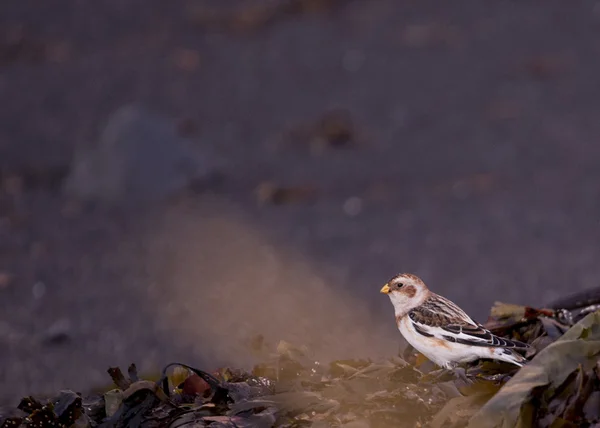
<point>450,371</point>
<point>449,365</point>
<point>436,376</point>
<point>444,374</point>
<point>461,374</point>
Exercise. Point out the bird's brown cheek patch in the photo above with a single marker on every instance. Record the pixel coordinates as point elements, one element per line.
<point>410,291</point>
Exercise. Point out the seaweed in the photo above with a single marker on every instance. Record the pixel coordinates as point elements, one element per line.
<point>558,387</point>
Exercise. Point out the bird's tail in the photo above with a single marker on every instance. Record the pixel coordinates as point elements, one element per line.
<point>510,356</point>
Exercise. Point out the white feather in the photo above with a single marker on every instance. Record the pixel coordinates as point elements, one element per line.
<point>445,353</point>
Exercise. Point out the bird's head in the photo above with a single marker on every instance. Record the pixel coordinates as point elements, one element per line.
<point>406,291</point>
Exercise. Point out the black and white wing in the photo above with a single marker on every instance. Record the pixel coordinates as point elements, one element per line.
<point>440,318</point>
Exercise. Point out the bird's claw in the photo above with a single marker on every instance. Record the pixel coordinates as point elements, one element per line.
<point>452,373</point>
<point>461,374</point>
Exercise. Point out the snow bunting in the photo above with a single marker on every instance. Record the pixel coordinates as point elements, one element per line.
<point>442,331</point>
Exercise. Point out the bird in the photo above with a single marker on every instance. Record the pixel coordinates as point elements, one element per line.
<point>443,332</point>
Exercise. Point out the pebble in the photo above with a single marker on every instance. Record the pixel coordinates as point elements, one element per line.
<point>139,157</point>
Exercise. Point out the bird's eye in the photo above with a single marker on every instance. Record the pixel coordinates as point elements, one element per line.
<point>399,285</point>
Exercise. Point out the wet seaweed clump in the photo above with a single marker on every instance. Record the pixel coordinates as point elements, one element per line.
<point>559,387</point>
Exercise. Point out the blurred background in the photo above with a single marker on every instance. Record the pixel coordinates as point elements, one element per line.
<point>178,177</point>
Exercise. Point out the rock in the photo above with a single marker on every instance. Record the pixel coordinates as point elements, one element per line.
<point>58,333</point>
<point>5,279</point>
<point>139,157</point>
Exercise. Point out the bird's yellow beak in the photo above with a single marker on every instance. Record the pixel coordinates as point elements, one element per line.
<point>385,289</point>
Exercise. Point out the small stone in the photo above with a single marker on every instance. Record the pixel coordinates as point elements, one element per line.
<point>38,290</point>
<point>5,280</point>
<point>353,59</point>
<point>270,193</point>
<point>461,190</point>
<point>187,127</point>
<point>336,129</point>
<point>71,209</point>
<point>58,333</point>
<point>186,59</point>
<point>418,35</point>
<point>353,206</point>
<point>139,157</point>
<point>37,249</point>
<point>58,52</point>
<point>12,185</point>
